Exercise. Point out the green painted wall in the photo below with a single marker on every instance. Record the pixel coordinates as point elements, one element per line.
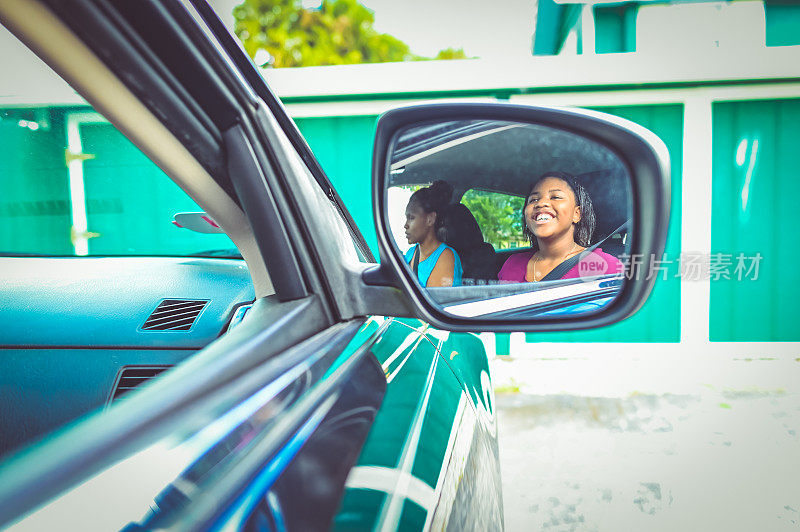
<point>615,28</point>
<point>34,205</point>
<point>343,146</point>
<point>35,208</point>
<point>782,22</point>
<point>554,21</point>
<point>129,200</point>
<point>756,195</point>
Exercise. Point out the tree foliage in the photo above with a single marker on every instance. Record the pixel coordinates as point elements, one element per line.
<point>498,215</point>
<point>451,53</point>
<point>339,32</point>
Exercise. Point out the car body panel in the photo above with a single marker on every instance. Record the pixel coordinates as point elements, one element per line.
<point>417,466</point>
<point>196,457</point>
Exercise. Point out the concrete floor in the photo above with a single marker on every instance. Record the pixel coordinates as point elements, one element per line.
<point>722,452</point>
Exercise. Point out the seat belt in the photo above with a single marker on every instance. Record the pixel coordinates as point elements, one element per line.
<point>415,262</point>
<point>559,271</point>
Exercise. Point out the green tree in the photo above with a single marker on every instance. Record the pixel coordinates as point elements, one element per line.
<point>451,53</point>
<point>498,215</point>
<point>281,33</point>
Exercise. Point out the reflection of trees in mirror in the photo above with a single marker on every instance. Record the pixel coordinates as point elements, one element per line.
<point>499,217</point>
<point>413,188</point>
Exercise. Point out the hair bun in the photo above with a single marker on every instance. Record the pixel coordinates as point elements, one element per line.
<point>441,192</point>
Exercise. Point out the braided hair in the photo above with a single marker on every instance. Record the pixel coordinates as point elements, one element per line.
<point>584,228</point>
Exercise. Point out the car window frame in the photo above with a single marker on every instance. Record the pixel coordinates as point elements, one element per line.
<point>257,82</point>
<point>326,270</point>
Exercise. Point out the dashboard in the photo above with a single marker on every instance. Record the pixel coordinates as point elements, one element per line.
<point>75,329</point>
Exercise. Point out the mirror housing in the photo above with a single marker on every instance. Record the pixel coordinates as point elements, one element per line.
<point>642,153</point>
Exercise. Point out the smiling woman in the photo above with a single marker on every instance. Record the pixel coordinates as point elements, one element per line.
<point>559,221</point>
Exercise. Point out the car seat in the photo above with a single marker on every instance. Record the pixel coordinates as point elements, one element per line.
<point>615,244</point>
<point>463,234</point>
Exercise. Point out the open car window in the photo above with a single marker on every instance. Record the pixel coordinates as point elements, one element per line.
<point>498,215</point>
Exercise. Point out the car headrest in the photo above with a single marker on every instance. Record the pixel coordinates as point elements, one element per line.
<point>461,228</point>
<point>609,193</point>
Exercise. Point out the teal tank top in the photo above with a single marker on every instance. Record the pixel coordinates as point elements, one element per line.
<point>426,266</point>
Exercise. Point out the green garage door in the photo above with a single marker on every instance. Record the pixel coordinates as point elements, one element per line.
<point>343,146</point>
<point>756,197</point>
<point>34,205</point>
<point>62,164</point>
<point>130,202</point>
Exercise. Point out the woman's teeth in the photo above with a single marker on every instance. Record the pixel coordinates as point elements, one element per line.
<point>543,217</point>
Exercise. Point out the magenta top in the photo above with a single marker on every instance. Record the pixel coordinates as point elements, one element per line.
<point>594,263</point>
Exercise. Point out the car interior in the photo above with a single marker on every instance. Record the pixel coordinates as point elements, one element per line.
<point>506,158</point>
<point>68,348</point>
<point>465,236</point>
<point>165,310</point>
<point>482,262</point>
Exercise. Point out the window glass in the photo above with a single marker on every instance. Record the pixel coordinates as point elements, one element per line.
<point>74,185</point>
<point>499,217</point>
<point>397,201</point>
<point>345,241</point>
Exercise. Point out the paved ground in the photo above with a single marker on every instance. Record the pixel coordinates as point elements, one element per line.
<point>721,452</point>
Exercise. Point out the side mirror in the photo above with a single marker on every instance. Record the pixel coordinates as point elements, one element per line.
<point>498,217</point>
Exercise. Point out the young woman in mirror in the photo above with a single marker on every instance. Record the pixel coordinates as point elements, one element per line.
<point>559,221</point>
<point>435,263</point>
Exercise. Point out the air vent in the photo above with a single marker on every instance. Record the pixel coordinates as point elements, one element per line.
<point>174,315</point>
<point>132,377</point>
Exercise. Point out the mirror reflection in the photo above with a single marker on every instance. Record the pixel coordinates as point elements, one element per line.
<point>503,219</point>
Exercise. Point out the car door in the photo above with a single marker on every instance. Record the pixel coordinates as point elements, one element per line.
<point>267,421</point>
<point>430,460</point>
